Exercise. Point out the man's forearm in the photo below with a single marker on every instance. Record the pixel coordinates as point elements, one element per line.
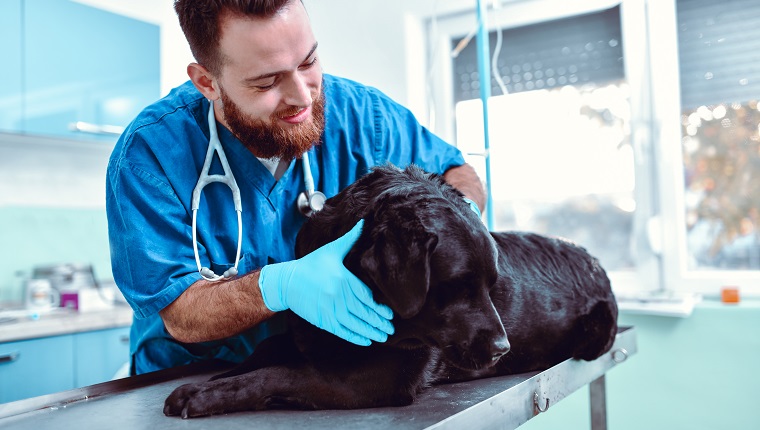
<point>216,310</point>
<point>467,181</point>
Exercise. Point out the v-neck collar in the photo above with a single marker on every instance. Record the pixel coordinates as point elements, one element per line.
<point>255,172</point>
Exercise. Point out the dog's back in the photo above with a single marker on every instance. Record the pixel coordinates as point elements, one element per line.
<point>555,301</point>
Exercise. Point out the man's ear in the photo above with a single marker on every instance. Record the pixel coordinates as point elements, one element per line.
<point>398,262</point>
<point>203,80</point>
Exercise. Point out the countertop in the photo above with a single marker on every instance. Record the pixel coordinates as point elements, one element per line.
<point>24,325</point>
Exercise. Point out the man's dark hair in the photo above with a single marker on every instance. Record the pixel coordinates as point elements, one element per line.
<point>199,20</point>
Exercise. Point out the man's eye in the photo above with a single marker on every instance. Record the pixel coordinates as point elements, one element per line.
<point>266,86</point>
<point>309,64</point>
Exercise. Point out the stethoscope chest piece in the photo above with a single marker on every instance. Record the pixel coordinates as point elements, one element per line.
<point>310,202</point>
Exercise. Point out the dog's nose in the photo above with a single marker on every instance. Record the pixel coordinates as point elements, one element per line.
<point>499,348</point>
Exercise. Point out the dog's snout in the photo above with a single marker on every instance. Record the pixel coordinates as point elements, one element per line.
<point>499,347</point>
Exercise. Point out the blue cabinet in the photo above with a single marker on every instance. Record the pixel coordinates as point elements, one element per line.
<point>31,368</point>
<point>99,355</point>
<point>79,64</point>
<point>10,72</point>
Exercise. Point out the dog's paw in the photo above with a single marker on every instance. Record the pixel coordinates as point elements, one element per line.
<point>192,400</point>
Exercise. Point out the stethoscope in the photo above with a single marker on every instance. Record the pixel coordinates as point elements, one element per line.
<point>309,201</point>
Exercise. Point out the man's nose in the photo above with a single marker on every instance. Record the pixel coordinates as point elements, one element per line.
<point>297,92</point>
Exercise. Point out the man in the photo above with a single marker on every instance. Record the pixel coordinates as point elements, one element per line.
<point>257,63</point>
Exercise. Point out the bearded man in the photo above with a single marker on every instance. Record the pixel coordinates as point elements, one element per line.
<point>258,68</point>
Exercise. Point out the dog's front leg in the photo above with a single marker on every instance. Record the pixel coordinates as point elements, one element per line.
<point>288,387</point>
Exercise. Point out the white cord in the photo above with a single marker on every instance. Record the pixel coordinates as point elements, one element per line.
<point>228,179</point>
<point>463,43</point>
<point>494,62</point>
<point>429,90</point>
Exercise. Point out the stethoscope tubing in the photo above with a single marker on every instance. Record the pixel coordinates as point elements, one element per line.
<point>214,145</point>
<point>308,179</point>
<point>309,201</point>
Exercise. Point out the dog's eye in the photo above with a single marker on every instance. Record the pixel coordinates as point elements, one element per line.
<point>462,288</point>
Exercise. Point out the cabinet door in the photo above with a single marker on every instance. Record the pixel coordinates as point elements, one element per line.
<point>32,368</point>
<point>10,72</point>
<point>86,64</point>
<point>99,355</point>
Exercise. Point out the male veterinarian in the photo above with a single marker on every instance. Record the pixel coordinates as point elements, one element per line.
<point>258,67</point>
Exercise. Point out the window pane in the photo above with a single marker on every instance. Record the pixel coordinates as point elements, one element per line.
<point>562,164</point>
<point>721,153</point>
<point>719,58</point>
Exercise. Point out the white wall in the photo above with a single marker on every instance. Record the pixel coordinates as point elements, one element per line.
<point>376,42</point>
<point>365,41</point>
<point>380,43</point>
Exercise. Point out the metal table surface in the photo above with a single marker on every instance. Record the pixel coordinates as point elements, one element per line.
<point>502,402</point>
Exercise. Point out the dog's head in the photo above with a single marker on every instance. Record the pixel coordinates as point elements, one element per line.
<point>425,254</point>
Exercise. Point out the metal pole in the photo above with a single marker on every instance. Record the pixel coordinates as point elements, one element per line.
<point>484,71</point>
<point>598,398</point>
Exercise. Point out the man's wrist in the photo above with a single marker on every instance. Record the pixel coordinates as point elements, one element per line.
<point>270,288</point>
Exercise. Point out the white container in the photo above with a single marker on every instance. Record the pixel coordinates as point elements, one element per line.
<point>40,295</point>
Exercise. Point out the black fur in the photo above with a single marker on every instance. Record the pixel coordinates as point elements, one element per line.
<point>457,291</point>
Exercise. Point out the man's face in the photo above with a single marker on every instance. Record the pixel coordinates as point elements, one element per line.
<point>271,83</point>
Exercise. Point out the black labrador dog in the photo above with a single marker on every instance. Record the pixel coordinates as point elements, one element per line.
<point>457,292</point>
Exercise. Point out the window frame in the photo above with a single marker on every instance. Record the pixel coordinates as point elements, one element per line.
<point>667,114</point>
<point>650,49</point>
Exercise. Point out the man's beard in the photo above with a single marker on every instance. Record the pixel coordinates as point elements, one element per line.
<point>267,139</point>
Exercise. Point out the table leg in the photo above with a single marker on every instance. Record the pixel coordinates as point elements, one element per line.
<point>598,397</point>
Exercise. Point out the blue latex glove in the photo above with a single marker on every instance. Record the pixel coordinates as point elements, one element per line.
<point>473,206</point>
<point>320,289</point>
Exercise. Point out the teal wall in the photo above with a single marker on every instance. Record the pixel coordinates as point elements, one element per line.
<point>34,236</point>
<point>700,372</point>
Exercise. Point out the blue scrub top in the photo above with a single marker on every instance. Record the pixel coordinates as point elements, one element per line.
<point>155,166</point>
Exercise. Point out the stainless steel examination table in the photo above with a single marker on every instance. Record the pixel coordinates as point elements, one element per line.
<point>503,402</point>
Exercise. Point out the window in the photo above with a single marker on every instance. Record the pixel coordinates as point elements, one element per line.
<point>720,87</point>
<point>562,162</point>
<point>707,135</point>
<point>647,152</point>
<point>580,187</point>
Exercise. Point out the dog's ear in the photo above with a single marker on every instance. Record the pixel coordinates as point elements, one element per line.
<point>398,263</point>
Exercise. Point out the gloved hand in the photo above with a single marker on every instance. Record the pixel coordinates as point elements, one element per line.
<point>320,289</point>
<point>473,206</point>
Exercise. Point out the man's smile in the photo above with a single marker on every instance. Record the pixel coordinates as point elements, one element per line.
<point>299,117</point>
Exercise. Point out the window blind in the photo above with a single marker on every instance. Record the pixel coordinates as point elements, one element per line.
<point>584,49</point>
<point>719,51</point>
